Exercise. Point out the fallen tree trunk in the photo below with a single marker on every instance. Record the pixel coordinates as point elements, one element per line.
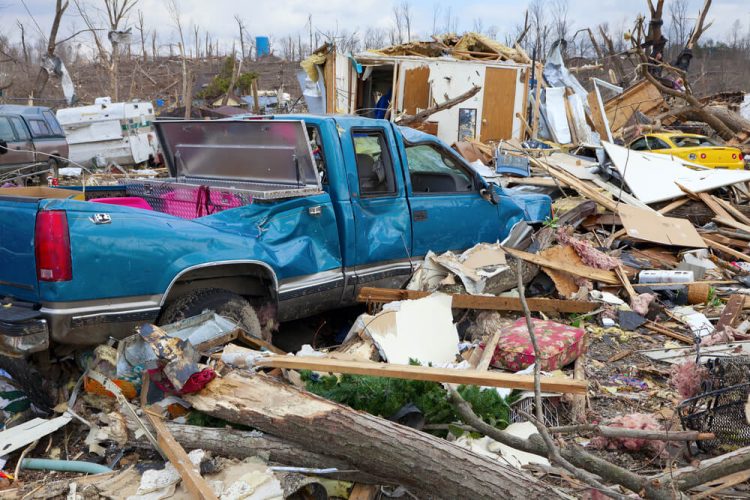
<point>423,115</point>
<point>242,444</point>
<point>407,456</point>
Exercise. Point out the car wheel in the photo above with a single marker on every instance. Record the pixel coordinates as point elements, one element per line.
<point>223,302</point>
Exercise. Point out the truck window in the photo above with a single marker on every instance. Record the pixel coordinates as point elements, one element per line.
<point>316,146</point>
<point>374,165</point>
<point>6,131</point>
<point>39,128</point>
<point>52,123</point>
<point>433,170</point>
<point>21,131</point>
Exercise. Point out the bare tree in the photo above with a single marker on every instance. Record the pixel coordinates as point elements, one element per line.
<point>435,16</point>
<point>117,12</point>
<point>539,27</point>
<point>142,31</point>
<point>678,22</point>
<point>242,30</point>
<point>24,49</point>
<point>478,26</point>
<point>197,40</point>
<point>561,23</point>
<point>43,76</point>
<point>154,49</point>
<point>187,87</point>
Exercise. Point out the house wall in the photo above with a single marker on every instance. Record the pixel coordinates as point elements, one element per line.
<point>448,79</point>
<point>445,79</point>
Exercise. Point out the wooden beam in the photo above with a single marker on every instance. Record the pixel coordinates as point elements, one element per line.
<point>587,272</point>
<point>729,251</point>
<point>411,372</point>
<point>736,214</point>
<point>732,223</point>
<point>197,486</point>
<point>480,302</point>
<point>674,205</point>
<point>489,351</point>
<point>730,315</point>
<point>669,333</point>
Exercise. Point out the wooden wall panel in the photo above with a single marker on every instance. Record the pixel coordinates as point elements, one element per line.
<point>498,108</point>
<point>416,90</point>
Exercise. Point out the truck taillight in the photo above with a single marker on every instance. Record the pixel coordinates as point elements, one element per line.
<point>703,156</point>
<point>52,246</point>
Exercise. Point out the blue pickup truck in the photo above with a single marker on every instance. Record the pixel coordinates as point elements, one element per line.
<point>261,220</point>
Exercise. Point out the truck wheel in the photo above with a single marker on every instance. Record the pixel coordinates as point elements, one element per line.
<point>223,302</point>
<point>28,380</point>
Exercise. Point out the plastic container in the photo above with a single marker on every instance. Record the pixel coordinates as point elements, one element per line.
<point>664,278</point>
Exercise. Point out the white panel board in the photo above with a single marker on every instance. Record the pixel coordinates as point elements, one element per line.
<point>654,177</point>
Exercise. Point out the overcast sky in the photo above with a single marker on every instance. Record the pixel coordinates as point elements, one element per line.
<point>278,18</point>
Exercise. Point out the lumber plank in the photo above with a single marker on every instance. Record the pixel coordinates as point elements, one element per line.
<point>410,372</point>
<point>731,312</point>
<point>674,205</point>
<point>733,211</point>
<point>364,492</point>
<point>591,273</point>
<point>669,333</point>
<point>732,223</point>
<point>489,351</point>
<point>480,302</point>
<point>729,251</point>
<point>197,486</point>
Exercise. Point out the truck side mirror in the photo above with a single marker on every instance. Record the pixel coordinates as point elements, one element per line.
<point>489,194</point>
<point>3,147</point>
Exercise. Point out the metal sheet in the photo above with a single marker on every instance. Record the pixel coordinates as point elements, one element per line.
<point>264,151</point>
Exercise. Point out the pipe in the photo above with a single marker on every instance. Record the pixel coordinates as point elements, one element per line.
<point>63,466</point>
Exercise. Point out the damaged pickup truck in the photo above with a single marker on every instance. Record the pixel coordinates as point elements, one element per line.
<point>262,221</point>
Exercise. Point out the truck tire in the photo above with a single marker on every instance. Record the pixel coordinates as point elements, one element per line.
<point>223,302</point>
<point>28,380</point>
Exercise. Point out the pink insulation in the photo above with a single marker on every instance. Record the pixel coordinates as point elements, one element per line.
<point>640,303</point>
<point>640,421</point>
<point>686,378</point>
<point>586,251</point>
<point>724,336</point>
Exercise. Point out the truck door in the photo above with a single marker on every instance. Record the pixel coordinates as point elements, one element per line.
<point>448,212</point>
<point>381,213</point>
<point>20,149</point>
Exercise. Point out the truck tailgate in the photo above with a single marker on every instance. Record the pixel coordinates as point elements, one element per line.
<point>17,260</point>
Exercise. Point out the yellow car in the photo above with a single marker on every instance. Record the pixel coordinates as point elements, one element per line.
<point>691,147</point>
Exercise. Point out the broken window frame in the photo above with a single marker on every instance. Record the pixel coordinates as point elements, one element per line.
<point>443,152</point>
<point>387,162</point>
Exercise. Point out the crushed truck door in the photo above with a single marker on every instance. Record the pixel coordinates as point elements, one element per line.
<point>448,211</point>
<point>381,213</point>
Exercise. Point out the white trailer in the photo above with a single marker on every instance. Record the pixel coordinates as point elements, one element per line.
<point>119,132</point>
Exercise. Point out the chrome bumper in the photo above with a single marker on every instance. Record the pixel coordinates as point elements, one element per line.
<point>22,331</point>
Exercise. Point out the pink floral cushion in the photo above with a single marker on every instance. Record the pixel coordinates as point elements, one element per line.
<point>559,345</point>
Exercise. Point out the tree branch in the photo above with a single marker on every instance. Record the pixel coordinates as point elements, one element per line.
<point>422,115</point>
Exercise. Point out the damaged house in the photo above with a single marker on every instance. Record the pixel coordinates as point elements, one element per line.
<point>404,80</point>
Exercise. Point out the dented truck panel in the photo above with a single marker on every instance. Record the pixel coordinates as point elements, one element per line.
<point>140,252</point>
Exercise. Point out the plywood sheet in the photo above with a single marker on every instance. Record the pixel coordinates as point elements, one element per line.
<point>649,226</point>
<point>643,97</point>
<point>416,90</point>
<point>498,108</point>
